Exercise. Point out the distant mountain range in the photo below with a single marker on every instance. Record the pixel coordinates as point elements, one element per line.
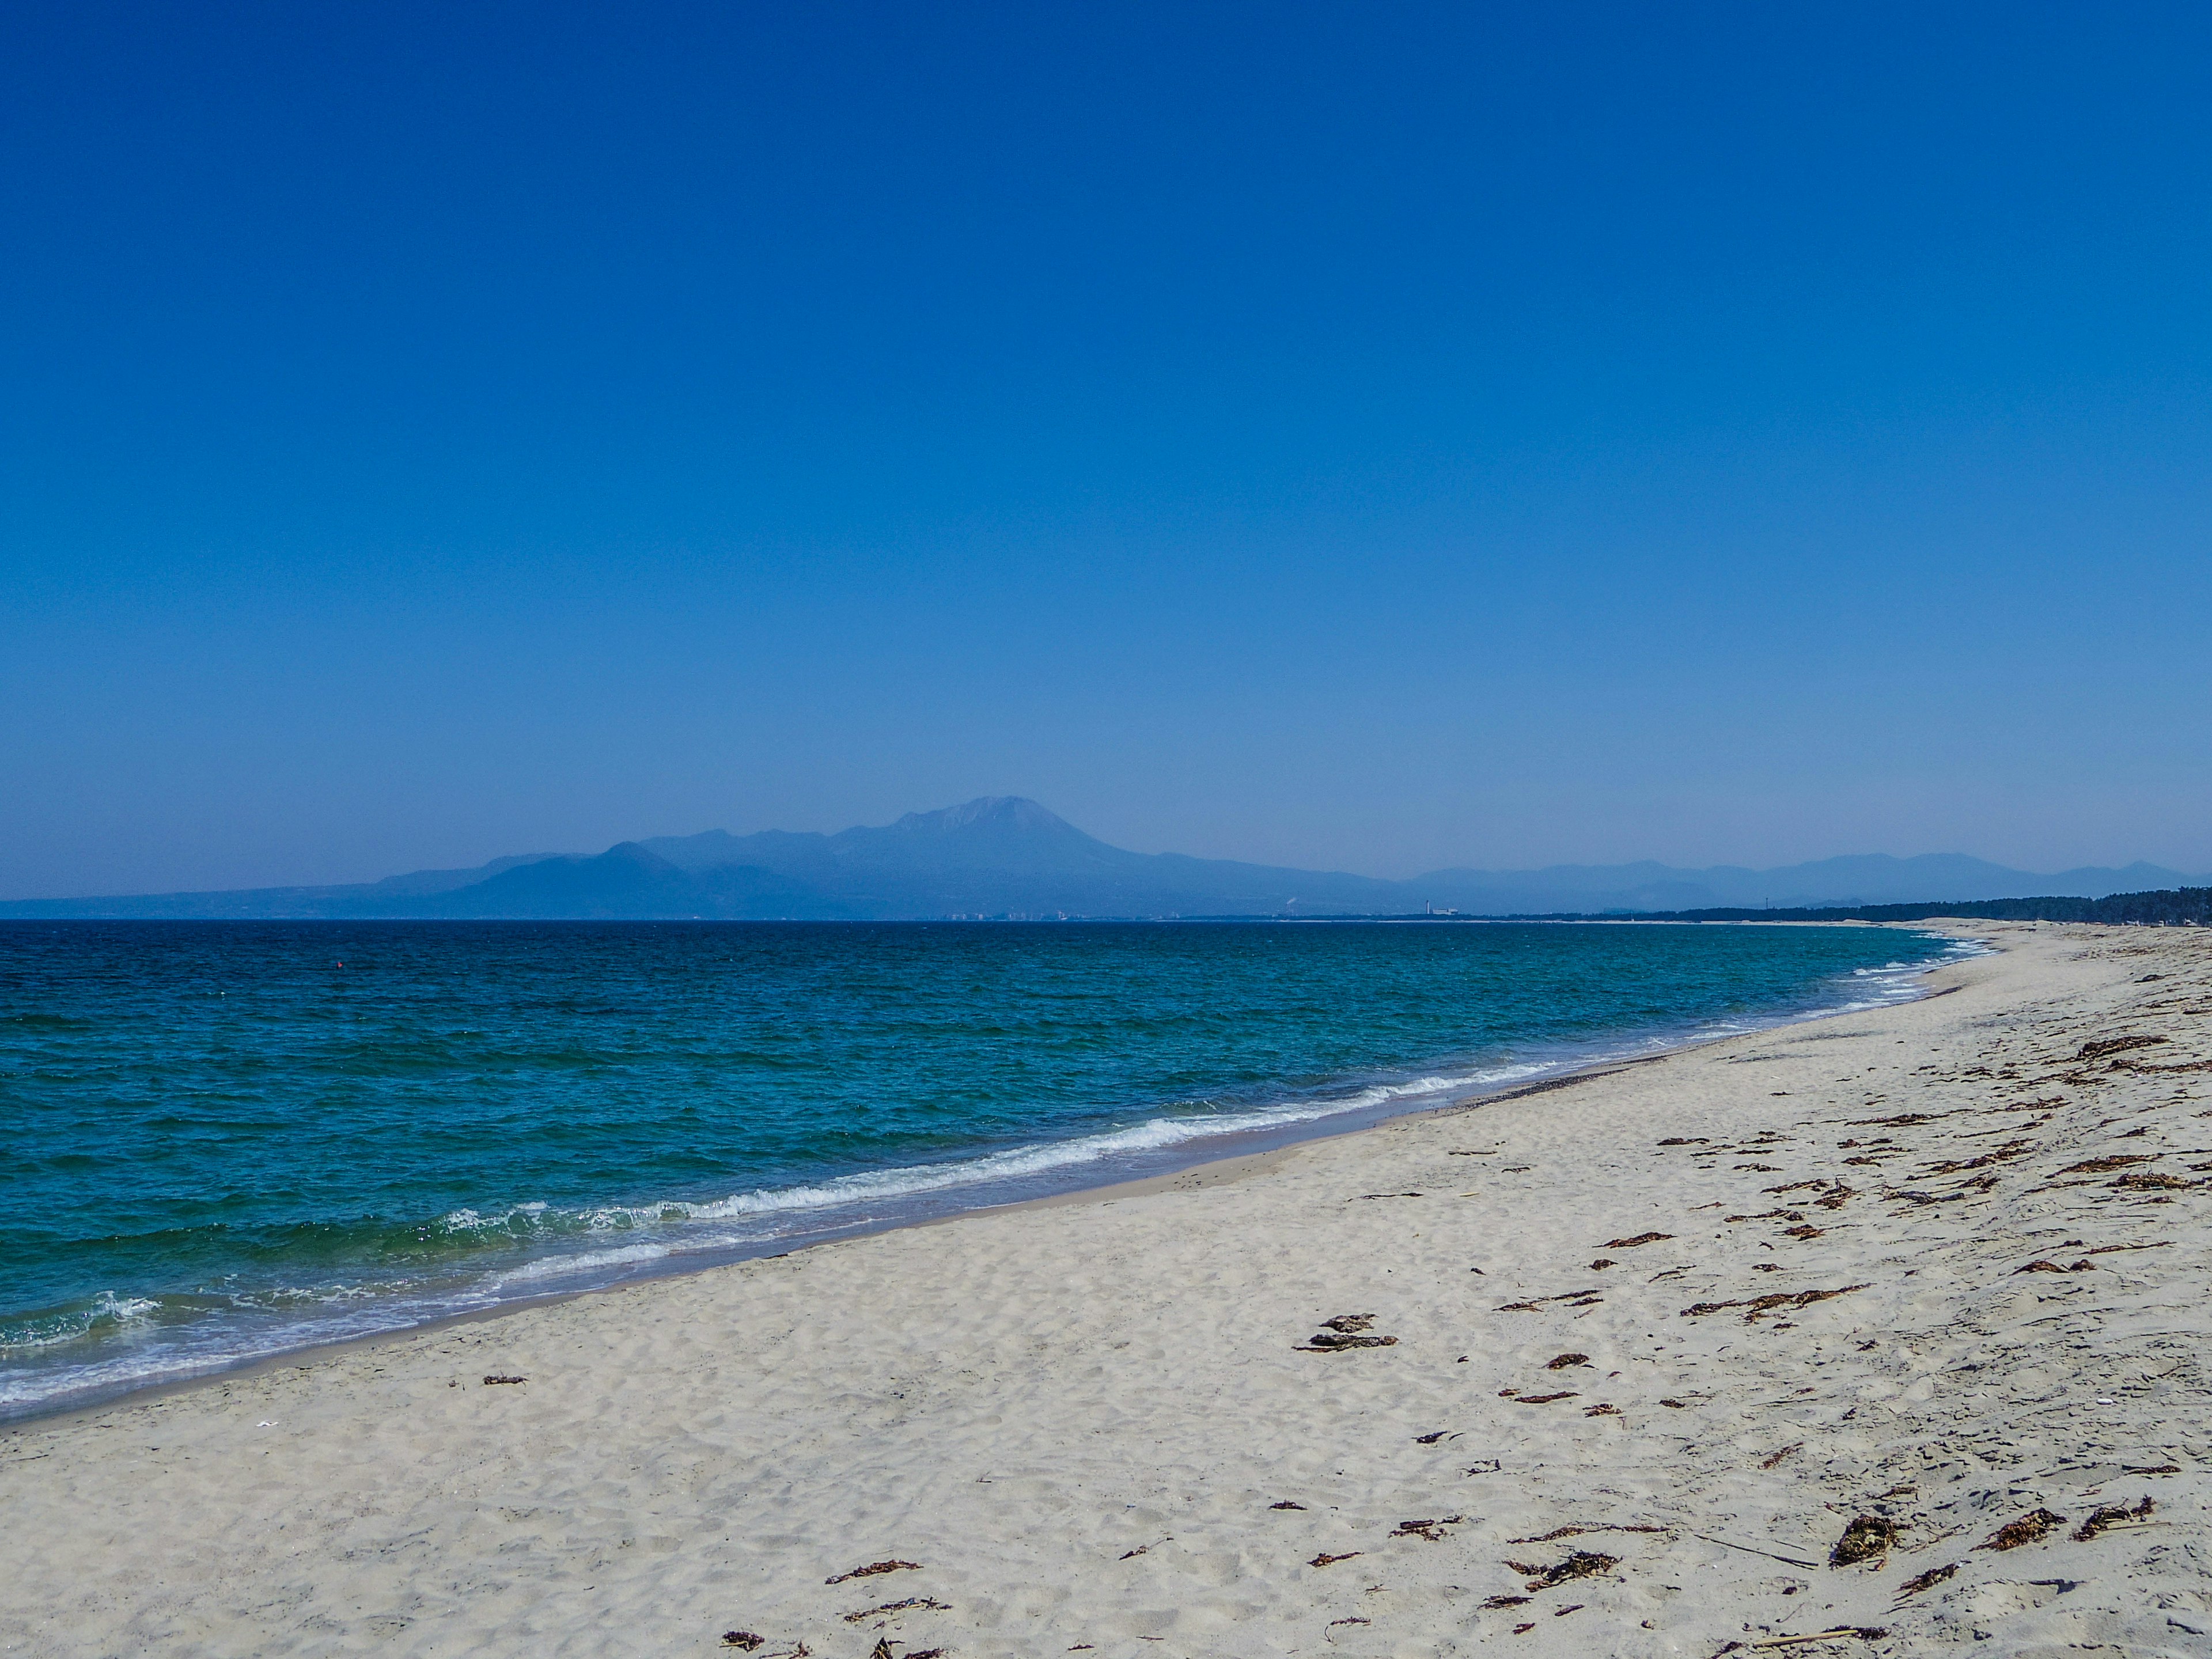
<point>1003,856</point>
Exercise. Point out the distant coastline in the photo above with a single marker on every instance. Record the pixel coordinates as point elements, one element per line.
<point>1004,858</point>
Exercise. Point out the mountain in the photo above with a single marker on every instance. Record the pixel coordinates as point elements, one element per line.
<point>1002,855</point>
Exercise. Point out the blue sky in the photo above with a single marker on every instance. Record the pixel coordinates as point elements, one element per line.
<point>1380,438</point>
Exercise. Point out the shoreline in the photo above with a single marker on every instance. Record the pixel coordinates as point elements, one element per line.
<point>1205,1151</point>
<point>1638,1354</point>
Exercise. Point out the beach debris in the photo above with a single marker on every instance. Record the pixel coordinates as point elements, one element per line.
<point>1803,1230</point>
<point>2043,1266</point>
<point>1765,1305</point>
<point>872,1569</point>
<point>1571,1607</point>
<point>2011,1149</point>
<point>1676,1405</point>
<point>1601,1264</point>
<point>2150,1468</point>
<point>1328,1560</point>
<point>1557,1532</point>
<point>1542,1399</point>
<point>2106,1165</point>
<point>1636,1242</point>
<point>1678,1140</point>
<point>912,1604</point>
<point>2118,1045</point>
<point>743,1640</point>
<point>1498,1602</point>
<point>1520,1307</point>
<point>1431,1530</point>
<point>1927,1580</point>
<point>2145,1183</point>
<point>495,1382</point>
<point>1582,1564</point>
<point>1563,1361</point>
<point>1786,1560</point>
<point>1770,1215</point>
<point>882,1650</point>
<point>1762,1168</point>
<point>1334,1623</point>
<point>1601,1411</point>
<point>1435,1435</point>
<point>1130,1554</point>
<point>1522,1630</point>
<point>2112,1514</point>
<point>1287,1504</point>
<point>1867,1539</point>
<point>1345,1331</point>
<point>2031,1529</point>
<point>1487,1466</point>
<point>1770,1462</point>
<point>1864,1632</point>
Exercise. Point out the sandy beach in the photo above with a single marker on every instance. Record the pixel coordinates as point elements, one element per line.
<point>1891,1327</point>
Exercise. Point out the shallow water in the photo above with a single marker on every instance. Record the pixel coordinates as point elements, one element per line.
<point>226,1139</point>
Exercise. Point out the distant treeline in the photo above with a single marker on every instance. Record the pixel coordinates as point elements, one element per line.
<point>2173,907</point>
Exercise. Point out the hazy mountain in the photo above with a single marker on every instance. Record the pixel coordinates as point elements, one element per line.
<point>1002,855</point>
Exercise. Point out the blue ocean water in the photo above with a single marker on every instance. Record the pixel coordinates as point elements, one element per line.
<point>223,1140</point>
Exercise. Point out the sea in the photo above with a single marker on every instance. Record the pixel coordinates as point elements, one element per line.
<point>221,1141</point>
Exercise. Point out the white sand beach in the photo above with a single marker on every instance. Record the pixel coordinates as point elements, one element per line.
<point>1651,1342</point>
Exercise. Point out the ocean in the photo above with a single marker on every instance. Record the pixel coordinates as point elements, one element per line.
<point>228,1140</point>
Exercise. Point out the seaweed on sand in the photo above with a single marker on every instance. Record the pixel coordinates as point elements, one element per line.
<point>1868,1538</point>
<point>2031,1529</point>
<point>1582,1564</point>
<point>2112,1514</point>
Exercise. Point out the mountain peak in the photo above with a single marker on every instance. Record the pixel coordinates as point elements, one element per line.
<point>1016,813</point>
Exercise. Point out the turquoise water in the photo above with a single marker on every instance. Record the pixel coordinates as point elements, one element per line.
<point>226,1139</point>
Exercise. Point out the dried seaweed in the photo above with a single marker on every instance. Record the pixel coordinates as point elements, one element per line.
<point>1325,1560</point>
<point>1868,1538</point>
<point>1764,1304</point>
<point>1557,1532</point>
<point>1287,1504</point>
<point>2106,1165</point>
<point>1582,1564</point>
<point>1636,1242</point>
<point>2112,1514</point>
<point>1563,1361</point>
<point>743,1640</point>
<point>2154,1183</point>
<point>1770,1462</point>
<point>1543,1399</point>
<point>1345,1331</point>
<point>2043,1266</point>
<point>1431,1530</point>
<point>1498,1602</point>
<point>495,1382</point>
<point>2118,1045</point>
<point>2005,1153</point>
<point>1927,1580</point>
<point>2031,1529</point>
<point>872,1569</point>
<point>913,1603</point>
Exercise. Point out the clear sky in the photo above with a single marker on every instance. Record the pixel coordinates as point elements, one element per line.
<point>1380,437</point>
